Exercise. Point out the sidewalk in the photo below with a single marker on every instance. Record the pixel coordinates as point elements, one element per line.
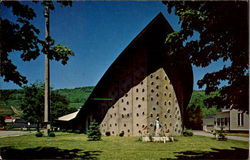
<point>4,133</point>
<point>202,133</point>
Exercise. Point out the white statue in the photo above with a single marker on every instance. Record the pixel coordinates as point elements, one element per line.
<point>157,127</point>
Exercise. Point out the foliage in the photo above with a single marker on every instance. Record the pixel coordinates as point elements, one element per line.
<point>32,104</point>
<point>198,108</point>
<point>77,95</point>
<point>12,97</point>
<point>94,133</point>
<point>129,148</point>
<point>223,35</point>
<point>19,35</point>
<point>193,117</point>
<point>187,133</point>
<point>51,134</point>
<point>39,134</point>
<point>221,136</point>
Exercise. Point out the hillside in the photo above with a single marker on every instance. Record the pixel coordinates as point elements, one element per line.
<point>12,97</point>
<point>77,96</point>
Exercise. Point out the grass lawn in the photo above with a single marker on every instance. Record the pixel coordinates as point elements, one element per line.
<point>238,134</point>
<point>71,145</point>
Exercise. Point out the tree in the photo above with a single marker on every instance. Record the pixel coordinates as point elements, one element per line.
<point>223,35</point>
<point>94,133</point>
<point>21,36</point>
<point>32,104</point>
<point>193,117</point>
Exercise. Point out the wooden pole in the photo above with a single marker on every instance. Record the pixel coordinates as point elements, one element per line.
<point>47,73</point>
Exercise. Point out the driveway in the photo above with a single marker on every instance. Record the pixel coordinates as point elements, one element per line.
<point>202,133</point>
<point>12,133</point>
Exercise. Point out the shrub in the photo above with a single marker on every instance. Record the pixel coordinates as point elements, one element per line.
<point>51,134</point>
<point>107,133</point>
<point>187,133</point>
<point>121,134</point>
<point>77,131</point>
<point>94,133</point>
<point>39,134</point>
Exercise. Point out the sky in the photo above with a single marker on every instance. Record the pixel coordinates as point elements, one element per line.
<point>97,32</point>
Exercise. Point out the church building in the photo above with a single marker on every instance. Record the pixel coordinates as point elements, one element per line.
<point>144,83</point>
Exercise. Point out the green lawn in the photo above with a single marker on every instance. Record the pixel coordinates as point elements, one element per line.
<point>70,145</point>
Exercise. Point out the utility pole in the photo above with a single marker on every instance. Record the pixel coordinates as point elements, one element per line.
<point>47,73</point>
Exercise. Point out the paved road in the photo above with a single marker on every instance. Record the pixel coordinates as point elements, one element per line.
<point>201,133</point>
<point>12,133</point>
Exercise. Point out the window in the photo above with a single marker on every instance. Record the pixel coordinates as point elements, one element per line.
<point>127,103</point>
<point>157,87</point>
<point>218,121</point>
<point>137,90</point>
<point>139,106</point>
<point>136,98</point>
<point>141,83</point>
<point>240,119</point>
<point>222,121</point>
<point>152,83</point>
<point>151,76</point>
<point>157,77</point>
<point>143,90</point>
<point>142,98</point>
<point>124,109</point>
<point>225,121</point>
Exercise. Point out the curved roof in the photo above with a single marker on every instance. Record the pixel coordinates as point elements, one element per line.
<point>150,44</point>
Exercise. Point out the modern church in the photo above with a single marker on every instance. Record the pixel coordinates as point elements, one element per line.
<point>144,83</point>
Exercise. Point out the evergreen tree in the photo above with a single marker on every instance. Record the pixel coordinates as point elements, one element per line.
<point>94,133</point>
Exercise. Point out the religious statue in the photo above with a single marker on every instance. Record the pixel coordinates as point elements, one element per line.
<point>157,127</point>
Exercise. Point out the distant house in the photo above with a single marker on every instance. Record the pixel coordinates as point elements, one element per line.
<point>230,120</point>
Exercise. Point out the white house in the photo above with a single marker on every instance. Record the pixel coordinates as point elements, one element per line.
<point>230,120</point>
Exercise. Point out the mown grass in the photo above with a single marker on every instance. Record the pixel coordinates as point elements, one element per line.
<point>238,134</point>
<point>123,147</point>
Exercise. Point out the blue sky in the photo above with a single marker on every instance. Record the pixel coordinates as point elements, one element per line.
<point>97,32</point>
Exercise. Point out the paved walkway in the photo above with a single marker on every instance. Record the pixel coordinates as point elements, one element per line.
<point>12,133</point>
<point>202,133</point>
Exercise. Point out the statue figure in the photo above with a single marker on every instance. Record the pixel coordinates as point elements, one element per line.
<point>157,128</point>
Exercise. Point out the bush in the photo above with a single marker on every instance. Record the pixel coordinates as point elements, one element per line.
<point>107,134</point>
<point>94,133</point>
<point>187,133</point>
<point>39,134</point>
<point>121,134</point>
<point>51,134</point>
<point>77,131</point>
